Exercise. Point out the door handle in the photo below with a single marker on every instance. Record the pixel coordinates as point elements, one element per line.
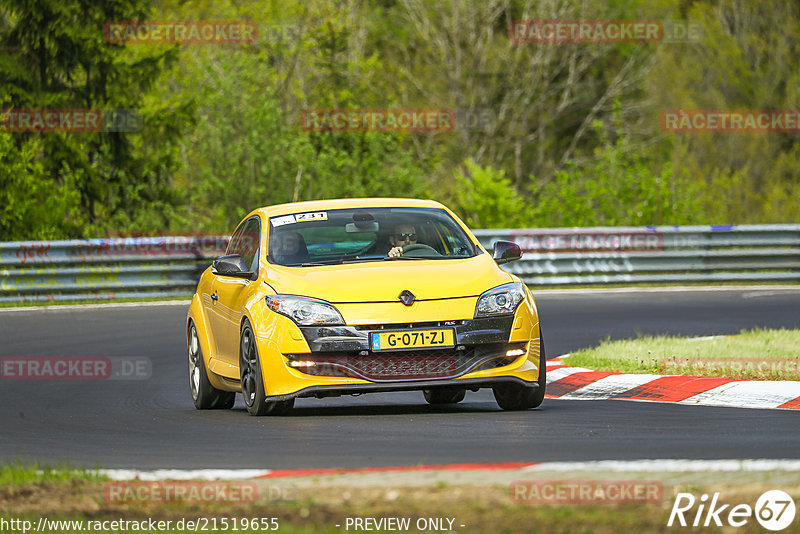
<point>214,296</point>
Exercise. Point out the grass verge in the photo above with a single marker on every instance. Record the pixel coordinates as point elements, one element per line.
<point>471,508</point>
<point>66,499</point>
<point>759,354</point>
<point>19,472</point>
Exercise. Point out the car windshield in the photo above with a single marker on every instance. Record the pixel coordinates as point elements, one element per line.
<point>365,234</point>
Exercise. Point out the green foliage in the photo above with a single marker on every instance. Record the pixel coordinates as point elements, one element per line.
<point>486,198</point>
<point>248,152</point>
<point>574,136</point>
<point>55,57</point>
<point>748,59</point>
<point>617,188</point>
<point>32,206</point>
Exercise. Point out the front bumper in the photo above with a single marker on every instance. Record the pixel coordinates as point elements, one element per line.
<point>356,338</point>
<point>479,344</point>
<point>322,391</point>
<point>486,352</point>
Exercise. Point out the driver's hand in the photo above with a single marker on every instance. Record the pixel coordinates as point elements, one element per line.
<point>395,252</point>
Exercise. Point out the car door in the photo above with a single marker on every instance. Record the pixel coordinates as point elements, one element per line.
<point>230,293</point>
<point>214,312</point>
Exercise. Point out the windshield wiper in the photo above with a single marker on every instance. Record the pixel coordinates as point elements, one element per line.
<point>314,263</point>
<point>360,260</point>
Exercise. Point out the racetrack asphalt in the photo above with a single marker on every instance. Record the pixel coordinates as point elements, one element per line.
<point>148,424</point>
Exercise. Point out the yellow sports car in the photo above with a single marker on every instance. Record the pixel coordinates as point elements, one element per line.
<point>339,297</point>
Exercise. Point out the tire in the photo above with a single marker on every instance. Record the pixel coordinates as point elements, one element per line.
<point>444,395</point>
<point>204,395</point>
<point>253,391</point>
<point>518,397</point>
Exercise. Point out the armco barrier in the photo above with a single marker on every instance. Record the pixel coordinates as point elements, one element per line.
<point>114,268</point>
<point>105,269</point>
<point>653,254</point>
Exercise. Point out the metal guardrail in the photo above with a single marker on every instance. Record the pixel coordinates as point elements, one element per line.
<point>155,267</point>
<point>105,269</point>
<point>653,254</point>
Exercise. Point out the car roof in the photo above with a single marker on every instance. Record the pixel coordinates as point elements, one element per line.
<point>341,203</point>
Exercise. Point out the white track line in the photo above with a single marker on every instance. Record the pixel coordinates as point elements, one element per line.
<point>563,372</point>
<point>748,394</point>
<point>183,474</point>
<point>609,386</point>
<point>670,466</point>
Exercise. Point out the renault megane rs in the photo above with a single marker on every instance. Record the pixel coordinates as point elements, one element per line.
<point>338,297</point>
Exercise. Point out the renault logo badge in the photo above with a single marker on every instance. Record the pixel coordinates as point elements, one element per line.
<point>406,297</point>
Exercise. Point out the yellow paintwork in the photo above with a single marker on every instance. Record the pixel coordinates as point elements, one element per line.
<point>364,293</point>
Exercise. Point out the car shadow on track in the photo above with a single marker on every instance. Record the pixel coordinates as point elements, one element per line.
<point>383,409</point>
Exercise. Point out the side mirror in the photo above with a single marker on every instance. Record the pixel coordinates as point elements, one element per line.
<point>506,251</point>
<point>231,265</point>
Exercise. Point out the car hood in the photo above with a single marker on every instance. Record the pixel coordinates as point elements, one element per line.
<point>383,281</point>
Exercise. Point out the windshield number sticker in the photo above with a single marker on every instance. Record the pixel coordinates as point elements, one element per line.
<point>280,221</point>
<point>313,216</point>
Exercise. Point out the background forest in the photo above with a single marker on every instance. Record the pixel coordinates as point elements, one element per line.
<point>559,134</point>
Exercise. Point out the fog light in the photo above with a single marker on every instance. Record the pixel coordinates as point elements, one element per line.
<point>513,353</point>
<point>302,363</point>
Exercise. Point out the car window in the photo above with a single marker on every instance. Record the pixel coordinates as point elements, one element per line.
<point>234,242</point>
<point>364,234</point>
<point>245,242</point>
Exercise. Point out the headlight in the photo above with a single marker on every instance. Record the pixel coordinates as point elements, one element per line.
<point>500,300</point>
<point>305,311</point>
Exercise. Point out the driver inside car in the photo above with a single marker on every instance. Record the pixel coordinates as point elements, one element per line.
<point>403,236</point>
<point>289,248</point>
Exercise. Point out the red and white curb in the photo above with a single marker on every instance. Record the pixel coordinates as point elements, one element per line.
<point>247,474</point>
<point>578,383</point>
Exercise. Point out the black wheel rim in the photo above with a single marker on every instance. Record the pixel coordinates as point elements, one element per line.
<point>194,368</point>
<point>248,365</point>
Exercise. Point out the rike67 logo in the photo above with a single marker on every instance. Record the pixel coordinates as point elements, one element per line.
<point>774,510</point>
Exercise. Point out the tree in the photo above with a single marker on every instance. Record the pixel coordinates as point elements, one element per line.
<point>55,57</point>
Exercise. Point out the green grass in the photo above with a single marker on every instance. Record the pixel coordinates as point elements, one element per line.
<point>19,472</point>
<point>753,355</point>
<point>486,508</point>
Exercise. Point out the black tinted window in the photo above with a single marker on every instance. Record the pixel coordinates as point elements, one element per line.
<point>365,234</point>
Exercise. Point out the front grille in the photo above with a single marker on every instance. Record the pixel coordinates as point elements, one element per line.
<point>405,365</point>
<point>403,326</point>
